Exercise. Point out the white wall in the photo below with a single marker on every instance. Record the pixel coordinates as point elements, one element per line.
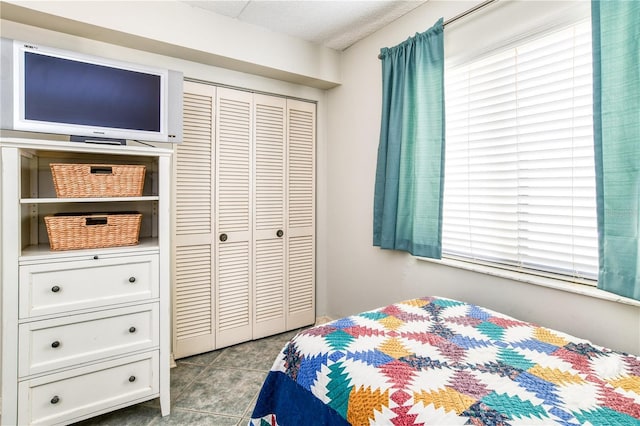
<point>360,276</point>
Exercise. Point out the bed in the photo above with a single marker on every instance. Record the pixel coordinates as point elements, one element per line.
<point>438,361</point>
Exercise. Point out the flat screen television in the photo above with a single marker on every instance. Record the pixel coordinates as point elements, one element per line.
<point>50,90</point>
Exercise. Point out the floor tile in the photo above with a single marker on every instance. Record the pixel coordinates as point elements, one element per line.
<point>222,391</point>
<point>180,417</point>
<point>181,376</point>
<point>283,339</point>
<point>255,355</point>
<point>201,359</point>
<point>136,415</point>
<point>252,404</point>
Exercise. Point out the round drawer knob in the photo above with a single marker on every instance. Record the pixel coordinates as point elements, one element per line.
<point>55,289</point>
<point>55,344</point>
<point>132,379</point>
<point>55,399</point>
<point>132,279</point>
<point>132,329</point>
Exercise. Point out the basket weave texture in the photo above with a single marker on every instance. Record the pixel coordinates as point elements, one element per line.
<point>72,232</point>
<point>97,180</point>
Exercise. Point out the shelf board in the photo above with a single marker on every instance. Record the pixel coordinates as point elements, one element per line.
<point>50,145</point>
<point>87,200</point>
<point>43,250</point>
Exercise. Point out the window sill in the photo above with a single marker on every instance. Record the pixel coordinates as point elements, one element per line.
<point>557,284</point>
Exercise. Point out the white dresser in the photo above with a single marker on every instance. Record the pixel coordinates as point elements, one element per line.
<point>84,331</point>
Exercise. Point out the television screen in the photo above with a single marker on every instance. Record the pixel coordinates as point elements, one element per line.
<point>66,91</point>
<point>88,98</point>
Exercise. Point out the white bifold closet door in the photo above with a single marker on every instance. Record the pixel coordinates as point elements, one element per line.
<point>245,222</point>
<point>234,192</point>
<point>300,216</point>
<point>193,290</point>
<point>269,240</point>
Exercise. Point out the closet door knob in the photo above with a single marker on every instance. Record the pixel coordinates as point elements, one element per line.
<point>132,279</point>
<point>223,237</point>
<point>55,399</point>
<point>132,379</point>
<point>55,289</point>
<point>55,344</point>
<point>279,233</point>
<point>132,329</point>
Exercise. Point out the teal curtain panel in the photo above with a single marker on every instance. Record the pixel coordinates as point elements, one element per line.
<point>616,66</point>
<point>410,169</point>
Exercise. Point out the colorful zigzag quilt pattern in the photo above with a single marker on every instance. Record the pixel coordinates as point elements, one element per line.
<point>437,361</point>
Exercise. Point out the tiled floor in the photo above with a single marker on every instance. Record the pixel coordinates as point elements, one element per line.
<point>214,388</point>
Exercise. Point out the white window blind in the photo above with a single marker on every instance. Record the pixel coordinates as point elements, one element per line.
<point>519,171</point>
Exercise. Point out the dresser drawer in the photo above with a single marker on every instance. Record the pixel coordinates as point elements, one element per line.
<point>68,341</point>
<point>63,397</point>
<point>60,287</point>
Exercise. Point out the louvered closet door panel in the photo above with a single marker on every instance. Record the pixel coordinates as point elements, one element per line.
<point>193,322</point>
<point>301,281</point>
<point>234,315</point>
<point>193,301</point>
<point>234,166</point>
<point>301,125</point>
<point>269,206</point>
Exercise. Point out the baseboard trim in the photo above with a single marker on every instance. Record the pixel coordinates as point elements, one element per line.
<point>323,320</point>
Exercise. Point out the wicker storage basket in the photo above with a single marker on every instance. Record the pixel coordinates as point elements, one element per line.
<point>97,180</point>
<point>77,231</point>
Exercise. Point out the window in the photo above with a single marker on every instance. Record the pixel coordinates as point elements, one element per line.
<point>519,174</point>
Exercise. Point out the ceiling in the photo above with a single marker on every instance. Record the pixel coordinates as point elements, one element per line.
<point>336,24</point>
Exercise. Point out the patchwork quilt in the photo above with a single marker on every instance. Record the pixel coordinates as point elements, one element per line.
<point>437,361</point>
